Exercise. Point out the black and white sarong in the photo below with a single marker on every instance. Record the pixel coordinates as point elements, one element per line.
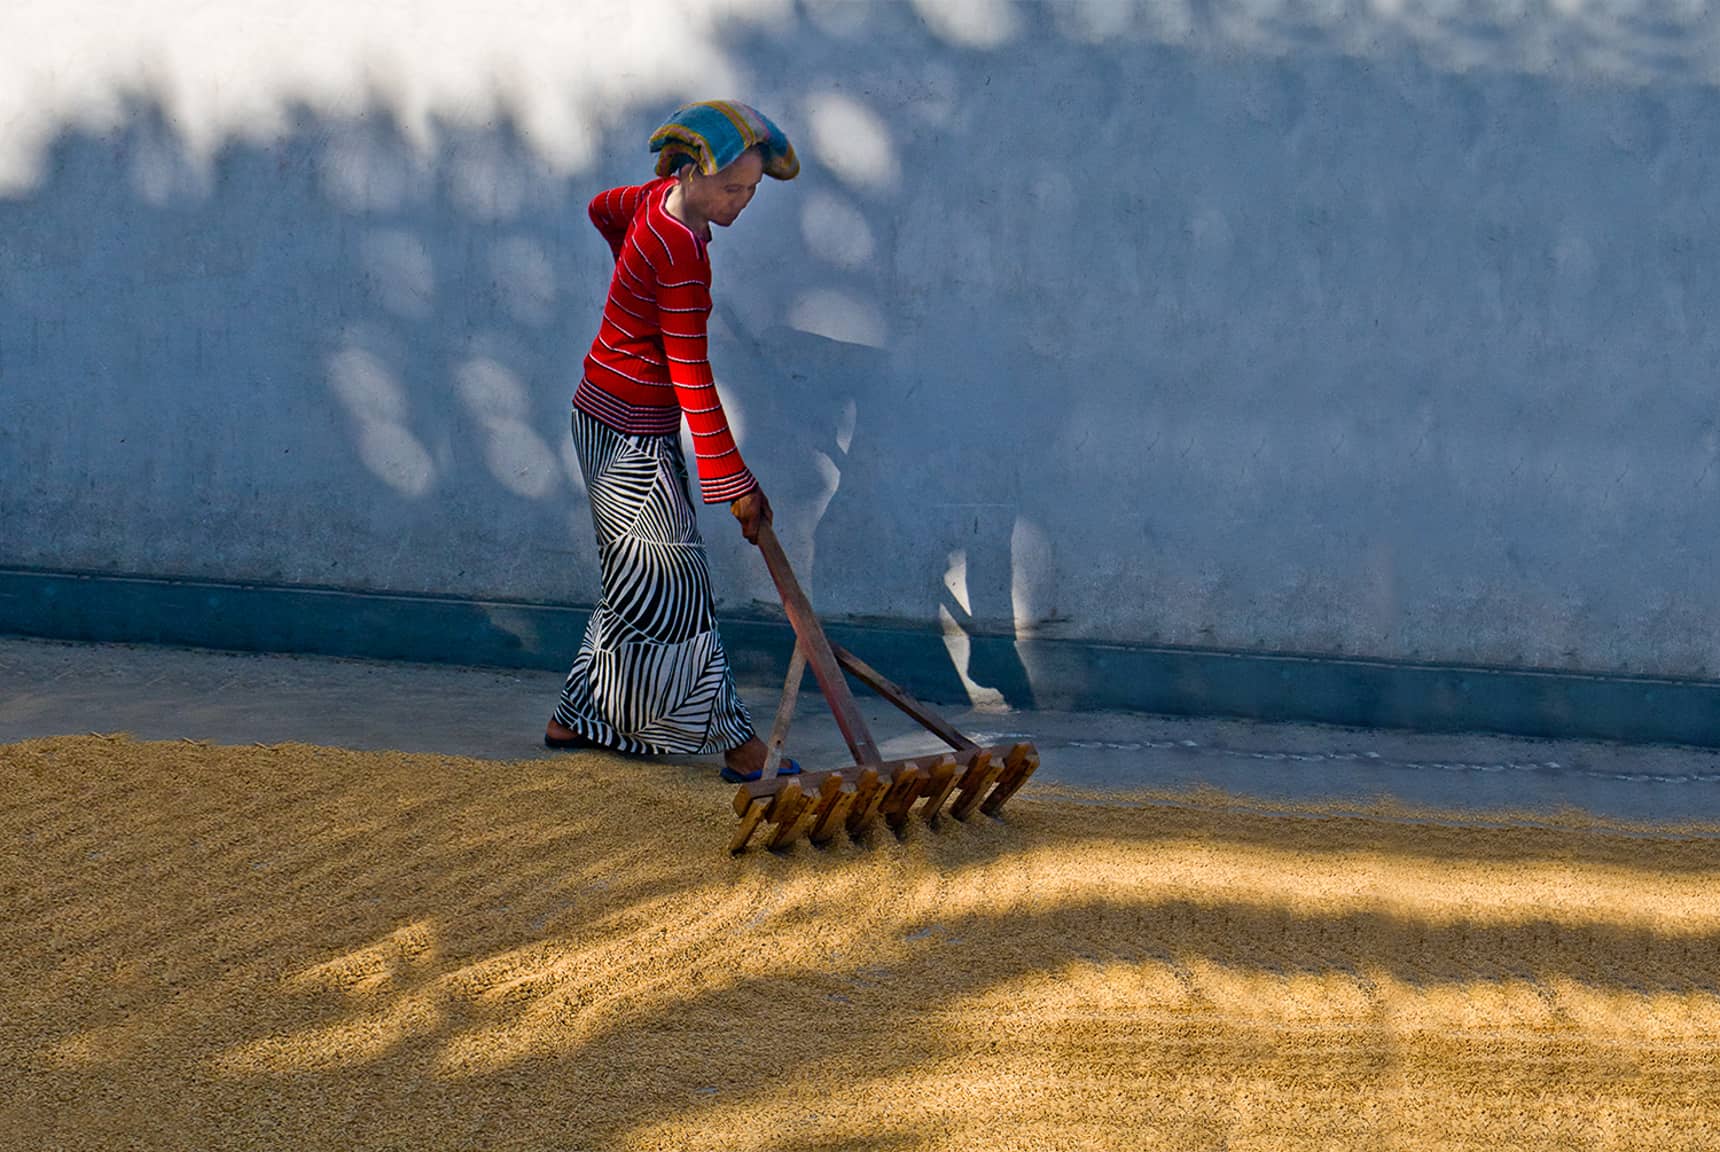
<point>651,675</point>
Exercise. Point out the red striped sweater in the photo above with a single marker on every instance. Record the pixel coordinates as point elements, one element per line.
<point>648,364</point>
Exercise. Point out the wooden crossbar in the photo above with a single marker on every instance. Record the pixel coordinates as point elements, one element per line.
<point>899,696</point>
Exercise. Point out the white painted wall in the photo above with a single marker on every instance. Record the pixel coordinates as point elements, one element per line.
<point>1382,329</point>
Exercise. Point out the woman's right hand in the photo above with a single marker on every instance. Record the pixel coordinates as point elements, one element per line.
<point>753,511</point>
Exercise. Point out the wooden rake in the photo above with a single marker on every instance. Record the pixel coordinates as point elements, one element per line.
<point>823,805</point>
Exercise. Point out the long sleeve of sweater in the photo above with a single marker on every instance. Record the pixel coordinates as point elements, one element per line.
<point>649,366</point>
<point>613,211</point>
<point>684,300</point>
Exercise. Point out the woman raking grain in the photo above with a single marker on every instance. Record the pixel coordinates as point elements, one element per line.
<point>651,676</point>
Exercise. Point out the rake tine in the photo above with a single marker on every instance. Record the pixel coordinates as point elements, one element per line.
<point>868,794</point>
<point>802,823</point>
<point>831,809</point>
<point>940,783</point>
<point>785,812</point>
<point>750,820</point>
<point>904,790</point>
<point>1022,762</point>
<point>952,784</point>
<point>979,776</point>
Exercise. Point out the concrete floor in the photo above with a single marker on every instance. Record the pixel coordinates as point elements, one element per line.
<point>50,688</point>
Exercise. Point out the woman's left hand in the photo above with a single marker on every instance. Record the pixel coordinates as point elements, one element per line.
<point>753,511</point>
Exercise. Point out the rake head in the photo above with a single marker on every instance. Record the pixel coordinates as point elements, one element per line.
<point>822,805</point>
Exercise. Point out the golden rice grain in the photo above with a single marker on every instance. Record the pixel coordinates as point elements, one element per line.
<point>305,948</point>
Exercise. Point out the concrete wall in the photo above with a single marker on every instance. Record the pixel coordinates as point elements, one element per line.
<point>1374,331</point>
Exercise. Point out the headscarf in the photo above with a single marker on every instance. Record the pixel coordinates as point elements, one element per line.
<point>714,133</point>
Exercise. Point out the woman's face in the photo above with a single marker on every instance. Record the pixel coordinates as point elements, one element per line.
<point>720,198</point>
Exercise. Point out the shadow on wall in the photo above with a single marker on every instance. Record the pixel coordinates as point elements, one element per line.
<point>903,495</point>
<point>331,358</point>
<point>330,361</point>
<point>1077,323</point>
<point>300,366</point>
<point>1372,339</point>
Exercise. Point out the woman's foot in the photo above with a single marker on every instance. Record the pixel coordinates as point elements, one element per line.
<point>746,763</point>
<point>558,735</point>
<point>747,759</point>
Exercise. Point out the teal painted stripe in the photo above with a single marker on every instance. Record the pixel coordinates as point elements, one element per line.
<point>1065,675</point>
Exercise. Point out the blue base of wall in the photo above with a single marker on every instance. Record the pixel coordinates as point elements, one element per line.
<point>1068,675</point>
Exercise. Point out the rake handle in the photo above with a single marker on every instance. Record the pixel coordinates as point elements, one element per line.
<point>810,634</point>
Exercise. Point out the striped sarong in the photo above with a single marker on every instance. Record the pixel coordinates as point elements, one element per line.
<point>651,675</point>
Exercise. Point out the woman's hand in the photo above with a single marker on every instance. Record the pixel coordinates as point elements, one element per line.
<point>752,510</point>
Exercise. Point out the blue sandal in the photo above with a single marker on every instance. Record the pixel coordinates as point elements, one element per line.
<point>788,767</point>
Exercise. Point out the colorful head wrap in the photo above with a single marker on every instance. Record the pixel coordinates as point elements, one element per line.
<point>714,133</point>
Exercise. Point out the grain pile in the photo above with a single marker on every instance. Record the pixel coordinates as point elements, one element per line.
<point>304,948</point>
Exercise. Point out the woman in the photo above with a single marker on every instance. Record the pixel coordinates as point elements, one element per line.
<point>651,676</point>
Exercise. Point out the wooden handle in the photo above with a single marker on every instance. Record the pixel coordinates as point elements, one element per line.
<point>810,634</point>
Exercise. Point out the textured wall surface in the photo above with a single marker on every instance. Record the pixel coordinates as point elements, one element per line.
<point>1328,329</point>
